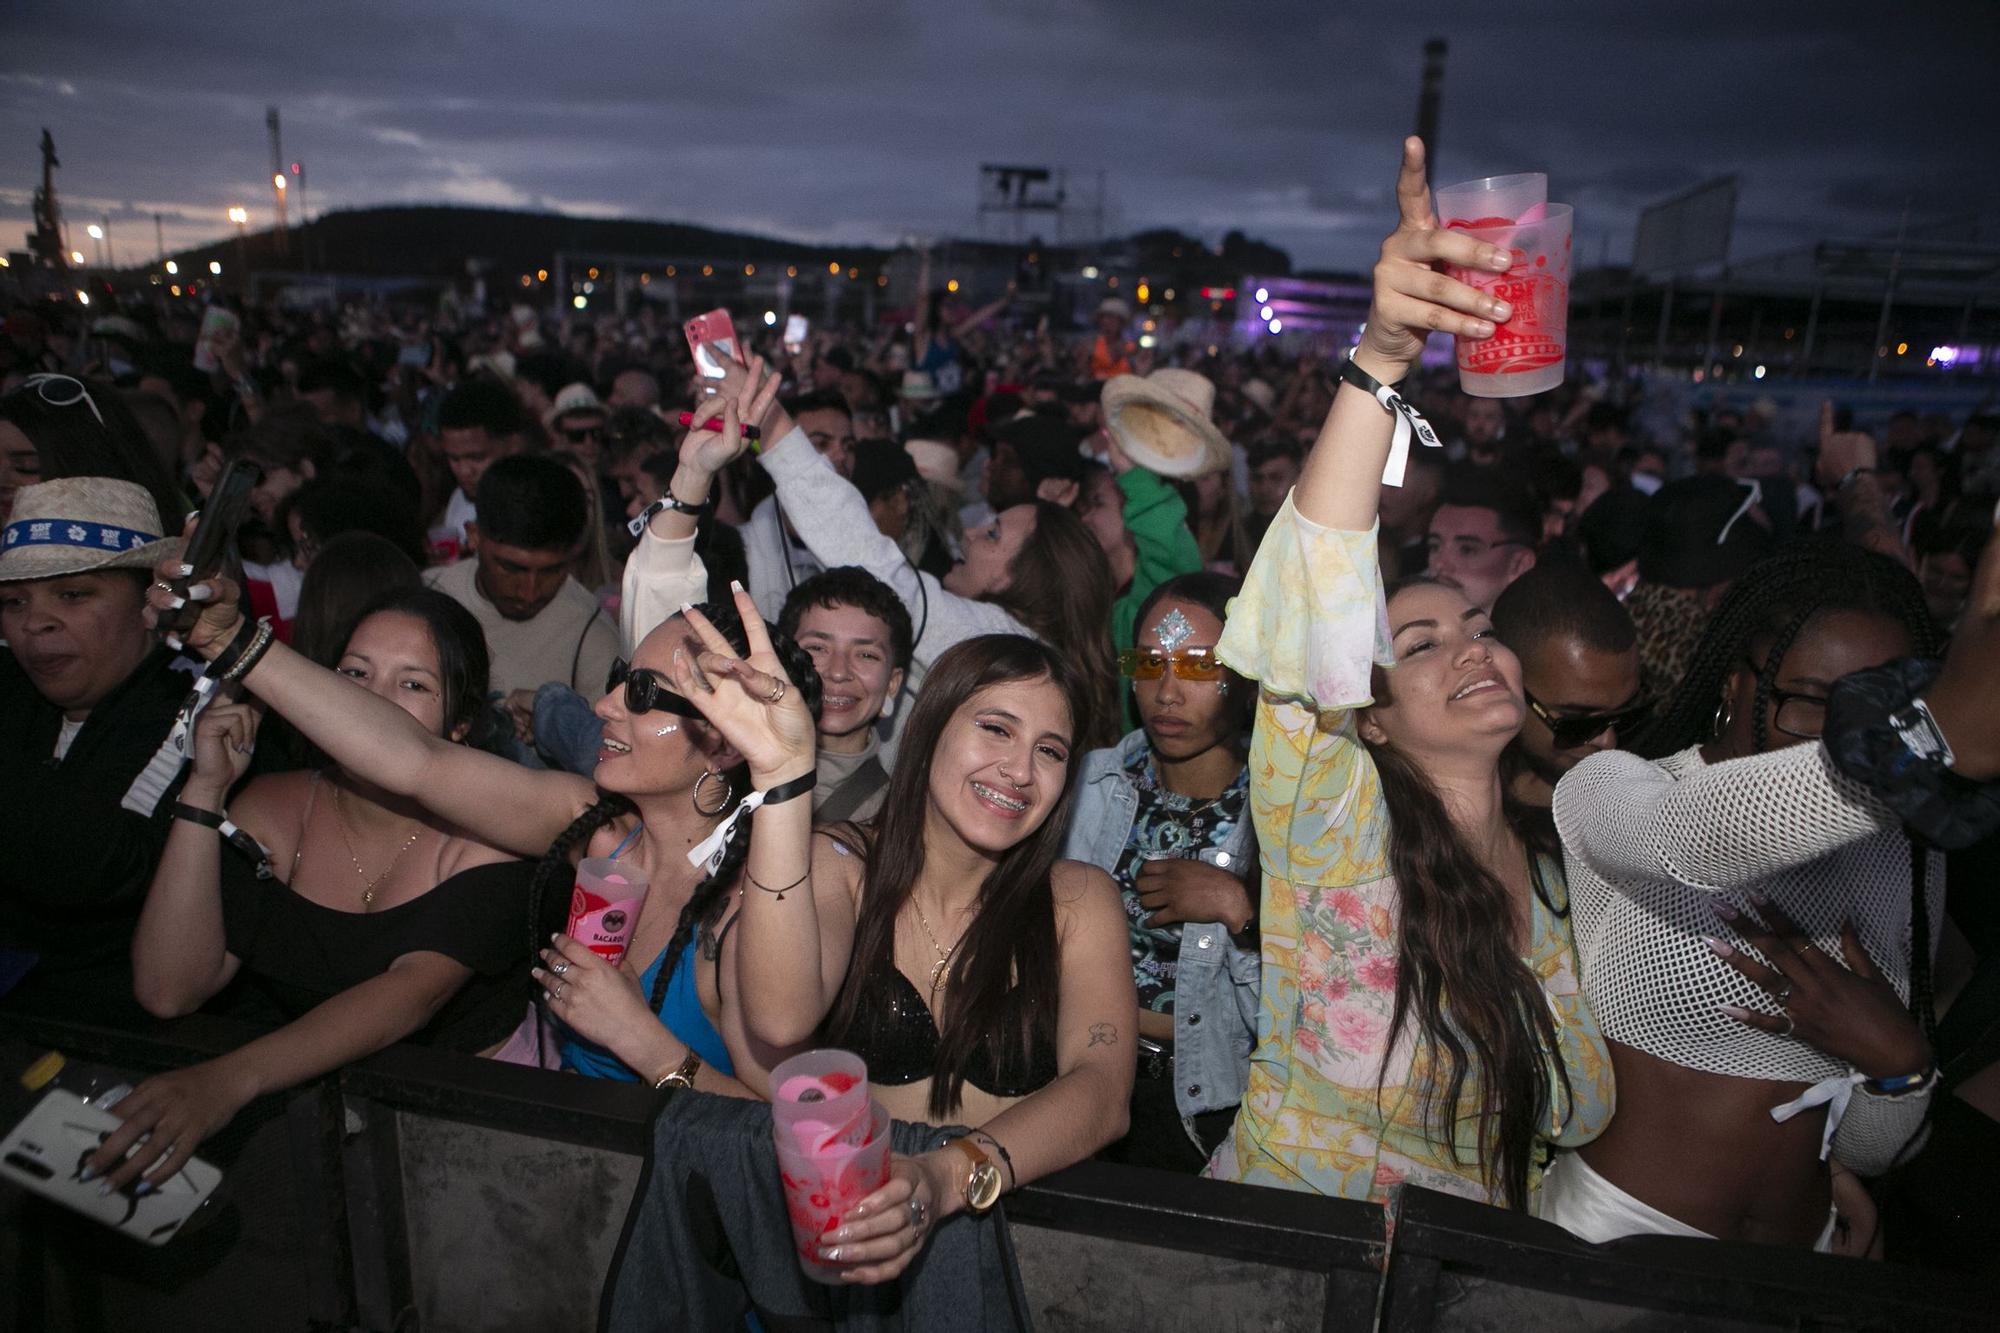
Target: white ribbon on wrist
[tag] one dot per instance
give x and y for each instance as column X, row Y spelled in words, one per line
column 1408, row 421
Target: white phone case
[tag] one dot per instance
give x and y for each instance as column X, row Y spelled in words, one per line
column 46, row 1151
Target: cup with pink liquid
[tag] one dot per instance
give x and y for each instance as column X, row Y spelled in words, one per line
column 1526, row 352
column 832, row 1142
column 605, row 904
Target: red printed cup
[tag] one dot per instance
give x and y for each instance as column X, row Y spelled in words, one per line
column 605, row 904
column 817, row 1096
column 822, row 1187
column 1525, row 354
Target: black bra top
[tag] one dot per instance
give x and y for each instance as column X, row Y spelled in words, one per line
column 895, row 1035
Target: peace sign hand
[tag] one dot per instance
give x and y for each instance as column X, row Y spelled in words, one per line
column 1842, row 1006
column 751, row 700
column 710, row 451
column 1412, row 294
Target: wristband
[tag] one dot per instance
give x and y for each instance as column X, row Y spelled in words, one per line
column 637, row 527
column 1408, row 419
column 710, row 850
column 1904, row 1085
column 238, row 644
column 194, row 814
column 252, row 655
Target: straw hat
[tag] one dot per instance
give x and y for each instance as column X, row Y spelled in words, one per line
column 1164, row 422
column 937, row 463
column 75, row 525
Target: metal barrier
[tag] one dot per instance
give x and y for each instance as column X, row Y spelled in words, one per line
column 421, row 1190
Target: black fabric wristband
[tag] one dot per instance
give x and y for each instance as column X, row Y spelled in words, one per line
column 226, row 660
column 194, row 814
column 1365, row 382
column 798, row 786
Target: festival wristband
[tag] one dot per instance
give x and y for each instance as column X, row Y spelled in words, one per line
column 194, row 814
column 1408, row 419
column 239, row 838
column 709, row 851
column 1904, row 1085
column 637, row 526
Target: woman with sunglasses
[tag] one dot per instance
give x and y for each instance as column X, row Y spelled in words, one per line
column 1421, row 1017
column 665, row 781
column 59, row 426
column 1758, row 931
column 1165, row 813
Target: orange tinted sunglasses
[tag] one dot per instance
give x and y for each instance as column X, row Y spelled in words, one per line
column 1199, row 664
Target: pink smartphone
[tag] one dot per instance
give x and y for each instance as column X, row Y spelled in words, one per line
column 712, row 339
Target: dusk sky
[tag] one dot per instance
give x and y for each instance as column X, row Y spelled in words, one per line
column 866, row 120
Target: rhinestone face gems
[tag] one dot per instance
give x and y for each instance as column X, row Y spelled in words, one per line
column 1173, row 629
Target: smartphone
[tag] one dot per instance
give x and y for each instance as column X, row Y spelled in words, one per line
column 46, row 1151
column 796, row 330
column 712, row 339
column 215, row 532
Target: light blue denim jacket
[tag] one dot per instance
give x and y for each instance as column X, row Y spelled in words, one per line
column 1215, row 988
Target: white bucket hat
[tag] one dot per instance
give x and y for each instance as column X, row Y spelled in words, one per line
column 573, row 398
column 937, row 463
column 1164, row 422
column 77, row 525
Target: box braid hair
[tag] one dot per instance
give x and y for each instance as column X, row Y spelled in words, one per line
column 1776, row 598
column 554, row 869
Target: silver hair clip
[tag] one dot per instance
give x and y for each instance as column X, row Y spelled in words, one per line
column 1173, row 629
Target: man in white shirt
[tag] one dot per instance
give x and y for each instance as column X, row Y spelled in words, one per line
column 541, row 624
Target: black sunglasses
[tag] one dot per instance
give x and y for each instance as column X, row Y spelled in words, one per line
column 1570, row 732
column 578, row 434
column 646, row 690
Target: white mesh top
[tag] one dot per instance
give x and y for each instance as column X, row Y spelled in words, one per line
column 1650, row 846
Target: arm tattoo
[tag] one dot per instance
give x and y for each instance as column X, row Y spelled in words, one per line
column 1103, row 1034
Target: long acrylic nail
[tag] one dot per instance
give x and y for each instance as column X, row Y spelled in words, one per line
column 201, row 592
column 1720, row 949
column 185, row 570
column 85, row 1176
column 1725, row 911
column 735, row 585
column 1734, row 1011
column 104, row 1190
column 175, row 603
column 145, row 1188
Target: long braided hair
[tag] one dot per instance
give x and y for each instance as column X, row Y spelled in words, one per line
column 1776, row 599
column 555, row 869
column 1459, row 975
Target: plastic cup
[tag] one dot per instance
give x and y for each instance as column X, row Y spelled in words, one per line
column 604, row 905
column 816, row 1095
column 1525, row 354
column 1491, row 199
column 215, row 322
column 821, row 1187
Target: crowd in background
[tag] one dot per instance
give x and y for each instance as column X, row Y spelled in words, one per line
column 1137, row 775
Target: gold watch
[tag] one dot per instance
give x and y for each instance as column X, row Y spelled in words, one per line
column 982, row 1187
column 681, row 1075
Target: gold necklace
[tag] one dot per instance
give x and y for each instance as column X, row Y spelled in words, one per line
column 944, row 955
column 369, row 885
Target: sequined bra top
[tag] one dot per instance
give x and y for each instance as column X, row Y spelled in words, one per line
column 894, row 1033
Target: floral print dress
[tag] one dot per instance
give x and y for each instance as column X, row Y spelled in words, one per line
column 1324, row 1110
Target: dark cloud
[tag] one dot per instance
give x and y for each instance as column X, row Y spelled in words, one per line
column 866, row 119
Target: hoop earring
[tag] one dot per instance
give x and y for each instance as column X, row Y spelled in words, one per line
column 1723, row 717
column 728, row 794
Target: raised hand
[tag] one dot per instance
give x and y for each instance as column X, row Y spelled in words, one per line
column 750, row 700
column 220, row 618
column 1413, row 296
column 223, row 742
column 710, row 451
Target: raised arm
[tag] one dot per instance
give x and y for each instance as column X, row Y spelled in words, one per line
column 495, row 801
column 663, row 573
column 1340, row 485
column 179, row 955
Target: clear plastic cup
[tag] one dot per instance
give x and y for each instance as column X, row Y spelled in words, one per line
column 1525, row 354
column 818, row 1094
column 1491, row 199
column 604, row 905
column 821, row 1187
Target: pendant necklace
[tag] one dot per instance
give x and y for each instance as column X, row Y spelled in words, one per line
column 369, row 885
column 944, row 955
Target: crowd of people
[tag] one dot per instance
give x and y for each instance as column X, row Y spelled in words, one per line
column 1084, row 736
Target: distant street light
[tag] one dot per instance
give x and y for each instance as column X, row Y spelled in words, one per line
column 172, row 268
column 280, row 181
column 76, row 257
column 96, row 232
column 215, row 267
column 239, row 215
